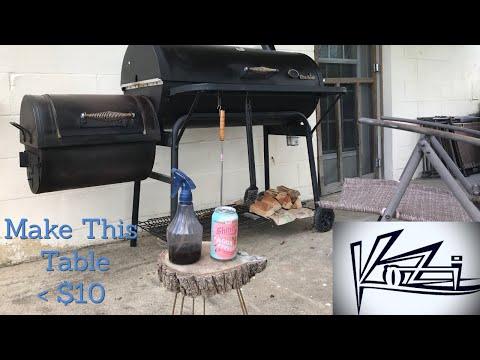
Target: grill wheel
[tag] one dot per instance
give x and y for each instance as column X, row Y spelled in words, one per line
column 324, row 219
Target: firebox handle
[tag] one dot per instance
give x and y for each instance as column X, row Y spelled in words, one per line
column 23, row 131
column 107, row 116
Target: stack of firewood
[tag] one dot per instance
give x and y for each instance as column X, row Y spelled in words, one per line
column 282, row 205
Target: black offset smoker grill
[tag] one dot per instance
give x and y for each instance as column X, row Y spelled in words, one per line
column 74, row 141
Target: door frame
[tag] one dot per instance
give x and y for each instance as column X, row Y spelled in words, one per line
column 375, row 82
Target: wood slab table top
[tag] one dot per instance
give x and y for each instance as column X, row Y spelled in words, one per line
column 208, row 277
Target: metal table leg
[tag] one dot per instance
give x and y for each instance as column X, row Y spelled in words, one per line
column 241, row 300
column 174, row 304
column 183, row 301
column 243, row 306
column 181, row 307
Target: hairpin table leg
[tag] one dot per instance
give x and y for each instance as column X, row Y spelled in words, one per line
column 181, row 306
column 204, row 305
column 242, row 302
column 174, row 304
column 193, row 306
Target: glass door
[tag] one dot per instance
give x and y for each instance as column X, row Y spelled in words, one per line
column 347, row 148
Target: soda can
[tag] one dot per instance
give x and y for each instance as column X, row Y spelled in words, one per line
column 224, row 233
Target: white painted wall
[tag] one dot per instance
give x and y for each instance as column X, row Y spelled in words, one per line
column 96, row 70
column 426, row 80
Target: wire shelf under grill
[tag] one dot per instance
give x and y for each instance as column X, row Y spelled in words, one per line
column 158, row 226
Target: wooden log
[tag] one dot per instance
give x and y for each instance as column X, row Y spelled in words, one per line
column 285, row 200
column 294, row 194
column 208, row 277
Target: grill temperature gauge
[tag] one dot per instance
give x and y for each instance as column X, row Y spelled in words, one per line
column 294, row 74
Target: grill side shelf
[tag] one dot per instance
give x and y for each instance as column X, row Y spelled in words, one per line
column 273, row 89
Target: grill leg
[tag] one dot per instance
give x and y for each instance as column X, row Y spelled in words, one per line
column 176, row 135
column 266, row 158
column 311, row 160
column 136, row 205
column 173, row 200
column 176, row 131
column 252, row 192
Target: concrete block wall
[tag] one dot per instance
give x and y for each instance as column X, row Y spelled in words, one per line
column 96, row 70
column 426, row 80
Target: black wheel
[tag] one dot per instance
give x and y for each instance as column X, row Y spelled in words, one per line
column 324, row 219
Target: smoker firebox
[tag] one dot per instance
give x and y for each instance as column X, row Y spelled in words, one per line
column 71, row 142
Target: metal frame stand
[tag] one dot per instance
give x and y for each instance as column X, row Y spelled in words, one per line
column 280, row 123
column 429, row 147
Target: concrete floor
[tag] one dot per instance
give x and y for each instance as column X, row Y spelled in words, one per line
column 297, row 281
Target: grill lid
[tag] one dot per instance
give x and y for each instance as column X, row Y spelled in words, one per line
column 67, row 120
column 217, row 64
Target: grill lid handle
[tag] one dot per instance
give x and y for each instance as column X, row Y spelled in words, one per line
column 259, row 72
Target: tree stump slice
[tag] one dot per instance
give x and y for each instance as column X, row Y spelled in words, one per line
column 209, row 277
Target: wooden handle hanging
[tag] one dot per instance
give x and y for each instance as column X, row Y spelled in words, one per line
column 222, row 125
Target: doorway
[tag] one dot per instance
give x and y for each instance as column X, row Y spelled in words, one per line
column 347, row 148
